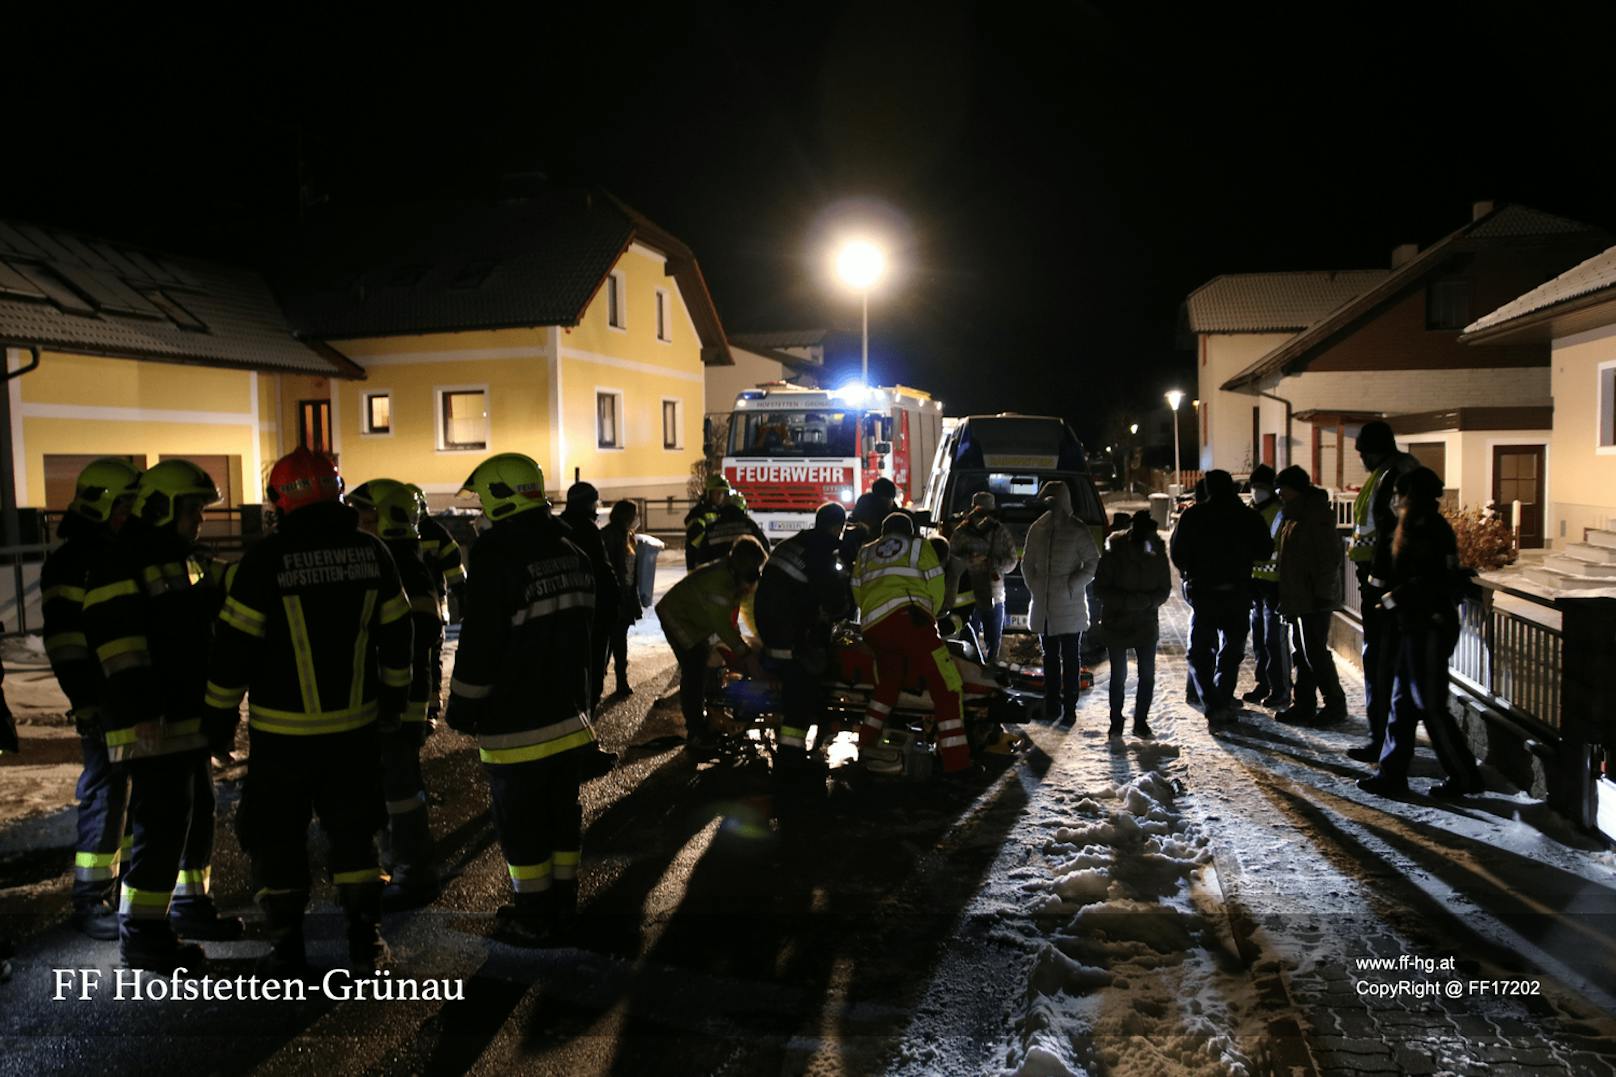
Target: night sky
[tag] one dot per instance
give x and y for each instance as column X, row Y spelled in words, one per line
column 1054, row 178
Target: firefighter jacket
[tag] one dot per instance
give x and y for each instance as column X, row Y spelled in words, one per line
column 702, row 609
column 1266, row 571
column 712, row 542
column 895, row 572
column 1374, row 519
column 148, row 618
column 801, row 592
column 425, row 595
column 522, row 672
column 315, row 630
column 697, row 520
column 62, row 584
column 441, row 553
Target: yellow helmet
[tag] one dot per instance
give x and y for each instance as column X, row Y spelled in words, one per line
column 716, row 481
column 101, row 485
column 506, row 484
column 368, row 495
column 397, row 513
column 163, row 484
column 420, row 497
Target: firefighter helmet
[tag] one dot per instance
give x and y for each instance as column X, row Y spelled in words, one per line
column 717, row 482
column 368, row 495
column 101, row 485
column 736, row 500
column 506, row 484
column 420, row 498
column 397, row 512
column 303, row 477
column 163, row 484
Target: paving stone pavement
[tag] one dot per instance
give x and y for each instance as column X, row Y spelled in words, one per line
column 1330, row 876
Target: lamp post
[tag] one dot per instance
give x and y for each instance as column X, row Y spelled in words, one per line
column 860, row 264
column 1174, row 399
column 1127, row 463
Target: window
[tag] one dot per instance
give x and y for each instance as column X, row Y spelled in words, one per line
column 1607, row 406
column 672, row 428
column 614, row 302
column 608, row 420
column 1447, row 304
column 462, row 420
column 314, row 425
column 793, row 433
column 377, row 412
column 664, row 332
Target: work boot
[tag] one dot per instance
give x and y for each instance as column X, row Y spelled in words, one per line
column 1142, row 730
column 362, row 903
column 99, row 921
column 1295, row 715
column 1116, row 725
column 198, row 918
column 527, row 920
column 1382, row 786
column 623, row 687
column 283, row 917
column 595, row 762
column 1365, row 753
column 1257, row 695
column 1332, row 714
column 1454, row 789
column 563, row 911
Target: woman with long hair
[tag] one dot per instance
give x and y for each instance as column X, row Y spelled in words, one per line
column 1424, row 599
column 618, row 536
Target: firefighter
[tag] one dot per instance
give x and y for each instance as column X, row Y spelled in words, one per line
column 316, row 634
column 799, row 596
column 442, row 555
column 390, row 511
column 731, row 522
column 101, row 501
column 521, row 685
column 699, row 616
column 702, row 515
column 898, row 582
column 148, row 618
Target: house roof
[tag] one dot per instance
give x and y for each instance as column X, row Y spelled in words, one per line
column 1273, row 302
column 1503, row 224
column 784, row 338
column 449, row 267
column 63, row 291
column 1591, row 282
column 800, row 364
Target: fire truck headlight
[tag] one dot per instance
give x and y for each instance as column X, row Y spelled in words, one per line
column 847, row 494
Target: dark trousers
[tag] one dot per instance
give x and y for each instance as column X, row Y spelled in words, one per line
column 1271, row 645
column 1219, row 622
column 196, row 855
column 1315, row 665
column 538, row 820
column 162, row 790
column 600, row 641
column 802, row 700
column 693, row 677
column 1420, row 692
column 335, row 777
column 1145, row 656
column 990, row 627
column 1380, row 658
column 408, row 834
column 1063, row 671
column 103, row 795
column 619, row 649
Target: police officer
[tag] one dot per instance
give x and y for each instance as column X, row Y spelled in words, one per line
column 390, row 511
column 442, row 555
column 730, row 523
column 800, row 595
column 316, row 634
column 1270, row 639
column 1374, row 520
column 702, row 515
column 101, row 501
column 898, row 583
column 521, row 685
column 148, row 618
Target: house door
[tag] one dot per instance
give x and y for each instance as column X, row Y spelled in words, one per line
column 1270, row 449
column 1518, row 476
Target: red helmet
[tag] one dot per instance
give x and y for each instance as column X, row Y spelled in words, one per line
column 303, row 477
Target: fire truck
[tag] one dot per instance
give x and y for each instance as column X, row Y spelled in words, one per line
column 792, row 449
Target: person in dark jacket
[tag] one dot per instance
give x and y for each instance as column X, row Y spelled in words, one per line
column 1214, row 546
column 800, row 594
column 443, row 556
column 1422, row 595
column 1309, row 568
column 1270, row 639
column 618, row 537
column 731, row 522
column 988, row 549
column 522, row 687
column 583, row 506
column 702, row 515
column 1133, row 580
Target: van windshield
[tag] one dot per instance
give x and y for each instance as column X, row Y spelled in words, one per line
column 1016, row 494
column 793, row 433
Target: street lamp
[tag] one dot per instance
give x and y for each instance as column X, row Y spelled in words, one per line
column 1174, row 399
column 860, row 264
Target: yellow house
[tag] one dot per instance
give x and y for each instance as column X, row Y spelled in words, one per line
column 113, row 350
column 564, row 326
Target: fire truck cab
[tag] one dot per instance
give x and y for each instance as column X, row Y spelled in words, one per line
column 792, row 449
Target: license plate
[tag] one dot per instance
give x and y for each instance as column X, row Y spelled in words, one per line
column 1016, row 620
column 789, row 525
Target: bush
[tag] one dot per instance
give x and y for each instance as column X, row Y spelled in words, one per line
column 1486, row 542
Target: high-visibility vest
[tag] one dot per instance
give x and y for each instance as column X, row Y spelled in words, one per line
column 1363, row 519
column 1268, row 571
column 895, row 572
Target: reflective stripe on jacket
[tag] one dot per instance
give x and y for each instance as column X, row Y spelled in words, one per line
column 1268, row 571
column 895, row 572
column 1363, row 520
column 702, row 608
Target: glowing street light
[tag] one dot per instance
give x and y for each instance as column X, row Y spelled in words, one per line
column 1174, row 399
column 1133, row 429
column 860, row 264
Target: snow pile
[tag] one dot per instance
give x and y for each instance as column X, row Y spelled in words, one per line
column 1138, row 974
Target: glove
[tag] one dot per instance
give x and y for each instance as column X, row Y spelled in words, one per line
column 947, row 625
column 87, row 722
column 460, row 715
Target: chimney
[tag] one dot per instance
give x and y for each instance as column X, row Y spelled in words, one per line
column 1478, row 210
column 1403, row 254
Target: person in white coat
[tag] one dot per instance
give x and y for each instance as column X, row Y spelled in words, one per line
column 1057, row 563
